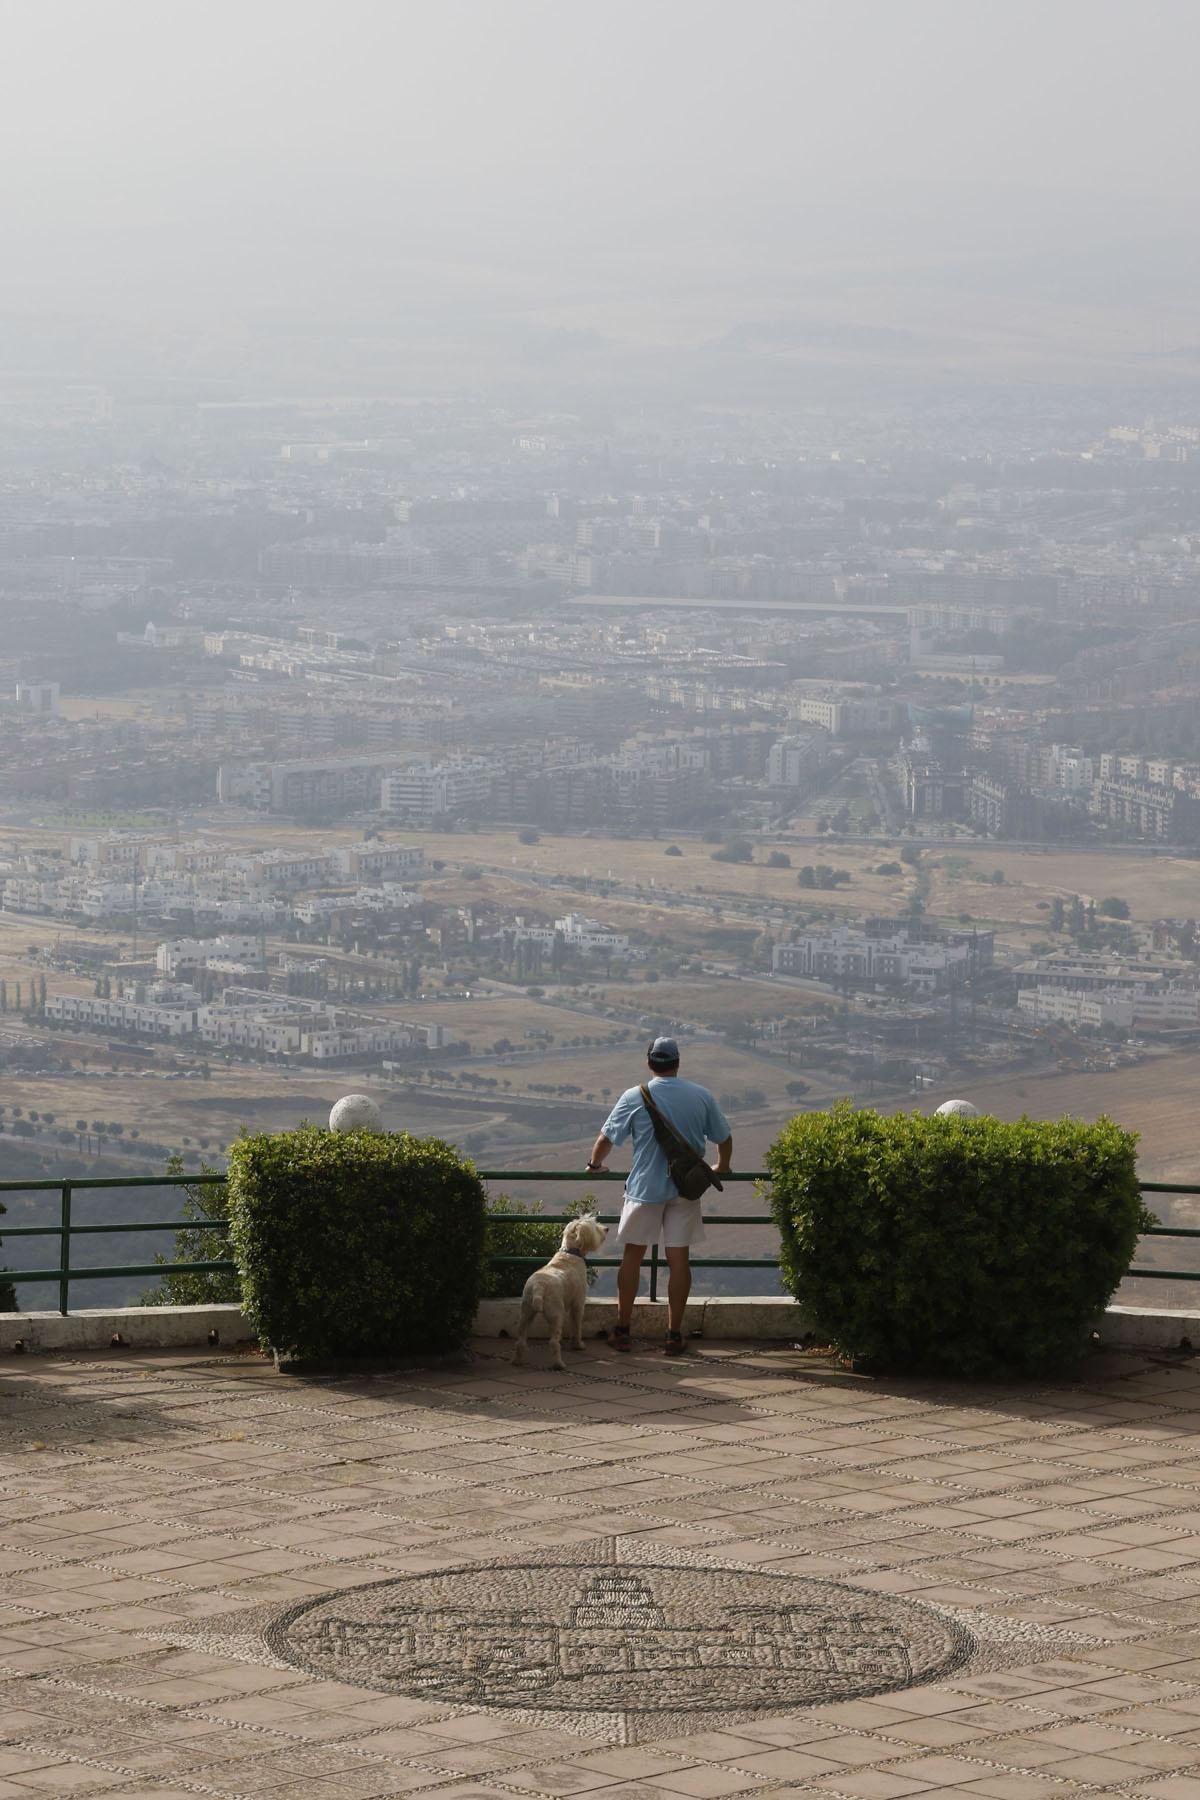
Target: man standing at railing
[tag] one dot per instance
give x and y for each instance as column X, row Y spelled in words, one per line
column 654, row 1206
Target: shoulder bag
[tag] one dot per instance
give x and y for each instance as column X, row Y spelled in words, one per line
column 687, row 1168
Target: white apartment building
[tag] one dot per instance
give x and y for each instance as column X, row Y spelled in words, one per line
column 371, row 861
column 576, row 932
column 123, row 1015
column 1167, row 1006
column 203, row 953
column 447, row 788
column 30, row 894
column 320, row 906
column 847, row 952
column 389, row 896
column 1150, row 1006
column 1073, row 772
column 125, row 847
column 285, row 868
column 1063, row 1006
column 40, row 697
column 853, row 716
column 792, row 761
column 248, row 1020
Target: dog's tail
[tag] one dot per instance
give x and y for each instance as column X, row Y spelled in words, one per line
column 531, row 1306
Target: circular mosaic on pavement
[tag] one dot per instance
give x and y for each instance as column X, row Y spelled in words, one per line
column 619, row 1638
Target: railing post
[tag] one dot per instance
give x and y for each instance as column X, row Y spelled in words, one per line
column 654, row 1271
column 64, row 1251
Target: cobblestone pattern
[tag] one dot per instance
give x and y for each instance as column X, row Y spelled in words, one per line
column 160, row 1510
column 602, row 1635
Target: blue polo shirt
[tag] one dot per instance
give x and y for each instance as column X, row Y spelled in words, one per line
column 690, row 1108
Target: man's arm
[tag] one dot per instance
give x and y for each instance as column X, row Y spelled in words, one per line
column 724, row 1156
column 599, row 1156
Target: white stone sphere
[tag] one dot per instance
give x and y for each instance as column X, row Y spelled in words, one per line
column 355, row 1112
column 957, row 1109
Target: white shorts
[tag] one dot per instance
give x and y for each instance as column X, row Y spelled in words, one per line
column 679, row 1222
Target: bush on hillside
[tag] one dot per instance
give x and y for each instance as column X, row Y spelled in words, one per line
column 356, row 1244
column 536, row 1243
column 971, row 1247
column 193, row 1243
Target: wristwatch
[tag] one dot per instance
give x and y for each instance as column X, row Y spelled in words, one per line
column 595, row 1168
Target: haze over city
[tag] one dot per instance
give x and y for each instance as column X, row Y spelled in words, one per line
column 291, row 192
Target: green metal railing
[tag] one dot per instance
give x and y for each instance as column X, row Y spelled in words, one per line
column 66, row 1230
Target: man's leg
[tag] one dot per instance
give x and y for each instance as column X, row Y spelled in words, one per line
column 679, row 1285
column 629, row 1277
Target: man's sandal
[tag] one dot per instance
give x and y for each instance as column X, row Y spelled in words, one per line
column 621, row 1339
column 674, row 1345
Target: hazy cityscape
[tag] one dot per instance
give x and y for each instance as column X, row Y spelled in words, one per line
column 449, row 750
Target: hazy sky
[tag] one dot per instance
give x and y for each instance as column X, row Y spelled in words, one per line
column 266, row 151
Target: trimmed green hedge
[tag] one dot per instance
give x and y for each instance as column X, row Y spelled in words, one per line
column 356, row 1244
column 965, row 1246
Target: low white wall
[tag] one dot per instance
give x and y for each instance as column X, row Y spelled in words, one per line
column 141, row 1327
column 165, row 1327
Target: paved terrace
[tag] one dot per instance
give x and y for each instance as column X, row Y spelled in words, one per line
column 218, row 1580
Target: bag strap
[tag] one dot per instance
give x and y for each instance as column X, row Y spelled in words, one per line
column 665, row 1132
column 672, row 1145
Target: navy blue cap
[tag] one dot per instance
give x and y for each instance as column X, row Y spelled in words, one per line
column 663, row 1053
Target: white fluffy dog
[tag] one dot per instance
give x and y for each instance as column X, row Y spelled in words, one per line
column 559, row 1289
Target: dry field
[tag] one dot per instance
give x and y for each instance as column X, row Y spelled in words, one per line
column 183, row 1113
column 711, row 1000
column 638, row 862
column 1155, row 886
column 1156, row 1099
column 18, row 934
column 608, row 1071
column 630, row 862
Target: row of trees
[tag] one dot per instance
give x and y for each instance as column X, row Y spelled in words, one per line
column 822, row 876
column 1080, row 920
column 15, row 1001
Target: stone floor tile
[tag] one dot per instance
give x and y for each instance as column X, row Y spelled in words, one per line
column 936, row 1733
column 644, row 1790
column 1158, row 1721
column 629, row 1762
column 869, row 1784
column 938, row 1771
column 705, row 1782
column 788, row 1765
column 122, row 1792
column 15, row 1761
column 1019, row 1787
column 17, row 1721
column 708, row 1746
column 1159, row 1753
column 66, row 1778
column 399, row 1740
column 1101, row 1771
column 467, row 1759
column 469, row 1790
